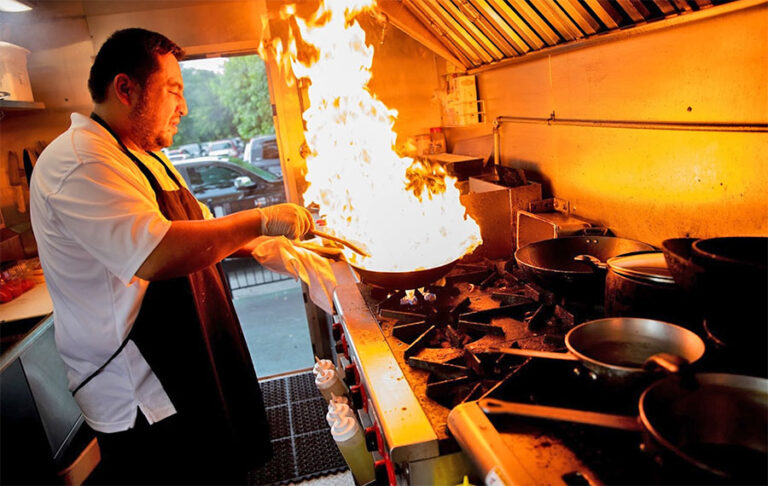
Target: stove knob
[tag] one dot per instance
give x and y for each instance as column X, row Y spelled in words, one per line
column 372, row 438
column 336, row 331
column 356, row 394
column 350, row 375
column 381, row 471
column 341, row 345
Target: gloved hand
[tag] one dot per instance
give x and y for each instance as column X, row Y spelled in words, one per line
column 288, row 219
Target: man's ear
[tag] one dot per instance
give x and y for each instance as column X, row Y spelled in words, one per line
column 124, row 89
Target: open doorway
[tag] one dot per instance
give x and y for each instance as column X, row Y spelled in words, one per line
column 227, row 152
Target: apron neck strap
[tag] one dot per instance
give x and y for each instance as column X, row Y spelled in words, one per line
column 152, row 179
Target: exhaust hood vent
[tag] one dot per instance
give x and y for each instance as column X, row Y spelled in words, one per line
column 481, row 32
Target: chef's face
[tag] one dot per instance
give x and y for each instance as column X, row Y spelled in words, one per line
column 160, row 105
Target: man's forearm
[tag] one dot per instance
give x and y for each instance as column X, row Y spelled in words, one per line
column 189, row 246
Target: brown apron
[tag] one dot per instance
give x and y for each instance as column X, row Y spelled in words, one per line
column 188, row 332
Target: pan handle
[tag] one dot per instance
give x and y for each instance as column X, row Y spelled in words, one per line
column 493, row 406
column 532, row 353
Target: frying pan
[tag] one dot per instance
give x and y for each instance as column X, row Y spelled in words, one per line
column 552, row 262
column 617, row 349
column 719, row 426
column 403, row 280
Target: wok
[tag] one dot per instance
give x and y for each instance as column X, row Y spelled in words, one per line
column 719, row 426
column 552, row 262
column 618, row 349
column 403, row 280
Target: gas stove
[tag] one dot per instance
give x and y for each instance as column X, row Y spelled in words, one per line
column 411, row 358
column 419, row 364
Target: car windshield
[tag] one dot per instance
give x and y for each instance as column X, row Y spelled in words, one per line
column 220, row 146
column 211, row 177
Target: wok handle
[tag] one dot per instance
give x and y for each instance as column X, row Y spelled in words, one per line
column 532, row 353
column 500, row 407
column 342, row 241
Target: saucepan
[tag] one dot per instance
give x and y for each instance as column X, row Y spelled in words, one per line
column 718, row 424
column 621, row 350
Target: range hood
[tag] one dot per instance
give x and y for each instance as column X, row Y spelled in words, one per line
column 478, row 33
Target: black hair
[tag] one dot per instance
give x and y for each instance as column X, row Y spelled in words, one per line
column 132, row 52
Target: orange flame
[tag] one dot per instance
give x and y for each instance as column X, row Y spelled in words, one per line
column 406, row 213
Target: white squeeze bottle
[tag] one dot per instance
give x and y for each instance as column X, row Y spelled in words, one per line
column 349, row 437
column 337, row 410
column 329, row 384
column 322, row 364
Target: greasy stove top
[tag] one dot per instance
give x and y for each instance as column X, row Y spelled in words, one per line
column 441, row 343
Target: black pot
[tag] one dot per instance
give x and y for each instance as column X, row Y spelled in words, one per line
column 733, row 290
column 640, row 285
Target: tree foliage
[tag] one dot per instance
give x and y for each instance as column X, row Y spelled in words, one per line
column 244, row 91
column 232, row 104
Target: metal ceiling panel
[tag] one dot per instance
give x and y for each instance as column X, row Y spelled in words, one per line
column 517, row 24
column 605, row 11
column 421, row 7
column 443, row 36
column 629, row 7
column 555, row 16
column 665, row 7
column 586, row 22
column 536, row 22
column 502, row 28
column 682, row 5
column 483, row 32
column 462, row 21
column 451, row 25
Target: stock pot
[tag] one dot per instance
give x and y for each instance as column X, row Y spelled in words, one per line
column 641, row 285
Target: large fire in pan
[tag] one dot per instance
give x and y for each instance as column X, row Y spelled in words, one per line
column 406, row 213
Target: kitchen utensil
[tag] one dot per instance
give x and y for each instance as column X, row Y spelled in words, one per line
column 719, row 426
column 733, row 291
column 679, row 258
column 617, row 349
column 403, row 280
column 342, row 241
column 641, row 285
column 551, row 263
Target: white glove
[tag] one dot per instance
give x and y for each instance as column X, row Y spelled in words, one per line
column 289, row 220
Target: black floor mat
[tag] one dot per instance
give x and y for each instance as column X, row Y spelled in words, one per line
column 301, row 438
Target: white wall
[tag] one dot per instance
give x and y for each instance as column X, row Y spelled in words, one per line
column 647, row 184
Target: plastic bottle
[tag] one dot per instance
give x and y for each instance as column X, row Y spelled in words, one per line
column 337, row 410
column 329, row 384
column 322, row 364
column 350, row 439
column 438, row 140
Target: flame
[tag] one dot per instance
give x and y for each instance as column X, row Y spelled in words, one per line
column 405, row 212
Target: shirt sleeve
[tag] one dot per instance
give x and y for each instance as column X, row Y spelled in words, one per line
column 112, row 214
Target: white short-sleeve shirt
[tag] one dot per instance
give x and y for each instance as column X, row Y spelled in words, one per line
column 96, row 219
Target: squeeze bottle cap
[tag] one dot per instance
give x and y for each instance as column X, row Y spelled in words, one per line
column 320, row 365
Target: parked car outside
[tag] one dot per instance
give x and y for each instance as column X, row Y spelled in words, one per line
column 226, row 148
column 177, row 155
column 193, row 149
column 262, row 152
column 226, row 187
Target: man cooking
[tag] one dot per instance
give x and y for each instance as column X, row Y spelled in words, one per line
column 154, row 351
